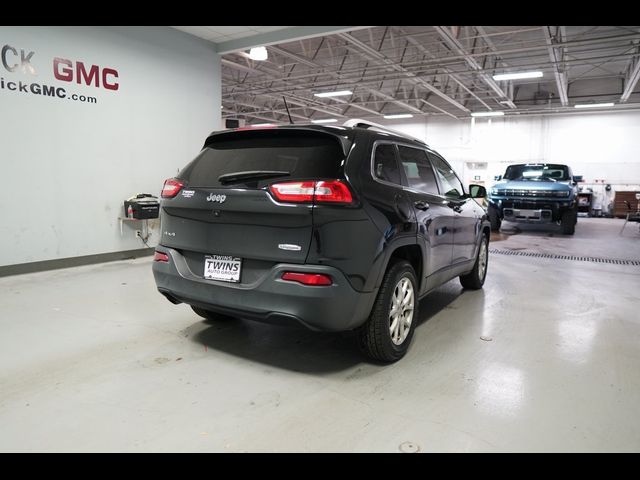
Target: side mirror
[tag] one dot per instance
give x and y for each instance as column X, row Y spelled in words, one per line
column 477, row 191
column 497, row 178
column 577, row 178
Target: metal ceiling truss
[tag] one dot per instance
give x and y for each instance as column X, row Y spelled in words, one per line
column 434, row 71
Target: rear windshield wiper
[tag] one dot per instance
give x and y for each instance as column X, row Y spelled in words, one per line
column 251, row 174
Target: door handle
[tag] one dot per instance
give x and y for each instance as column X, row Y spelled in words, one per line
column 455, row 207
column 420, row 205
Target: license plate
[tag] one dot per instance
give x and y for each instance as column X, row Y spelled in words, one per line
column 222, row 267
column 529, row 213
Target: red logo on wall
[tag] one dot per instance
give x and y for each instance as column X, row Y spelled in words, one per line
column 66, row 71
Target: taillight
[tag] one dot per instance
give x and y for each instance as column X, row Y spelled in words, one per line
column 171, row 188
column 160, row 257
column 324, row 191
column 293, row 191
column 315, row 279
column 333, row 191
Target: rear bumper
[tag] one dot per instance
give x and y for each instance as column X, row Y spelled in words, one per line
column 269, row 299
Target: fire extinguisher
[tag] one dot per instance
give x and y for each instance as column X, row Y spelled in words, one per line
column 130, row 212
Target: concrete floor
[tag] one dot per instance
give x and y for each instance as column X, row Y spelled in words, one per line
column 545, row 358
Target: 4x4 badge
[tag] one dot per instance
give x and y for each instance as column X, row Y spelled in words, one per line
column 216, row 198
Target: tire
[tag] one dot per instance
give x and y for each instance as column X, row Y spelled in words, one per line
column 375, row 336
column 474, row 280
column 496, row 223
column 568, row 222
column 209, row 315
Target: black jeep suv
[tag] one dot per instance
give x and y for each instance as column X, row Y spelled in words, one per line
column 334, row 228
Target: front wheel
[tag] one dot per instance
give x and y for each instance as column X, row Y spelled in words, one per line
column 568, row 222
column 388, row 331
column 494, row 219
column 474, row 280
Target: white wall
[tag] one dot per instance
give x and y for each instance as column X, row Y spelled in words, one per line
column 67, row 166
column 602, row 146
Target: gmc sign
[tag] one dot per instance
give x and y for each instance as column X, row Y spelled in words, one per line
column 19, row 60
column 65, row 71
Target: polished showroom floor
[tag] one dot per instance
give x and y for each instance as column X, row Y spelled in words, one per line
column 545, row 358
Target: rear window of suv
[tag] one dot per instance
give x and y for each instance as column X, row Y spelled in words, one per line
column 303, row 154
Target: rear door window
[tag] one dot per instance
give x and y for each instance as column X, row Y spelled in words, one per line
column 385, row 165
column 296, row 154
column 418, row 170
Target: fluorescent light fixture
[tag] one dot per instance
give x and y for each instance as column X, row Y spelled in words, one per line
column 258, row 53
column 517, row 76
column 263, row 125
column 339, row 93
column 399, row 115
column 325, row 120
column 487, row 114
column 594, row 105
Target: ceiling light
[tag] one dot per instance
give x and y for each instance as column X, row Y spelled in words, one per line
column 517, row 76
column 339, row 93
column 258, row 53
column 263, row 125
column 399, row 115
column 325, row 120
column 594, row 105
column 487, row 114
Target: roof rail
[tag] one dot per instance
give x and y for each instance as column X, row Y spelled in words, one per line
column 358, row 122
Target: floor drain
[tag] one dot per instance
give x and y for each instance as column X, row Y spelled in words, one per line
column 409, row 447
column 610, row 261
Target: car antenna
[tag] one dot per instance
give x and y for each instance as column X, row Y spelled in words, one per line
column 287, row 107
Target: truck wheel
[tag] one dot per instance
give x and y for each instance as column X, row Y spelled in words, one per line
column 568, row 222
column 474, row 280
column 494, row 219
column 209, row 315
column 387, row 333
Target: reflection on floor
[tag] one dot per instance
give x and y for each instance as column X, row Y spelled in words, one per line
column 545, row 358
column 595, row 237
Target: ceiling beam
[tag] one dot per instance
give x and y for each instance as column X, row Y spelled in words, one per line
column 373, row 54
column 457, row 47
column 391, row 99
column 492, row 46
column 285, row 35
column 263, row 107
column 557, row 57
column 632, row 77
column 452, row 76
column 301, row 102
column 311, row 63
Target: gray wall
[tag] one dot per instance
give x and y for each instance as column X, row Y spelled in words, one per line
column 67, row 166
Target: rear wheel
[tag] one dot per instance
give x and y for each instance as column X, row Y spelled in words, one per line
column 568, row 222
column 387, row 333
column 474, row 280
column 496, row 223
column 209, row 315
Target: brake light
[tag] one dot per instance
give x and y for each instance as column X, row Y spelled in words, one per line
column 171, row 188
column 314, row 279
column 293, row 191
column 160, row 257
column 324, row 191
column 333, row 191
